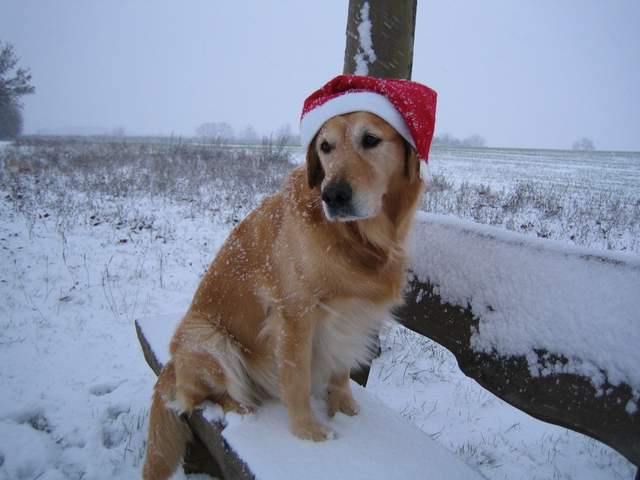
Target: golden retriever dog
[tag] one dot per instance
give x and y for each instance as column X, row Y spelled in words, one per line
column 298, row 291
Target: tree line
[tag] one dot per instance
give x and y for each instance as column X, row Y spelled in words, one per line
column 222, row 132
column 448, row 140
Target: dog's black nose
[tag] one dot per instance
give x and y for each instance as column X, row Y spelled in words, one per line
column 337, row 194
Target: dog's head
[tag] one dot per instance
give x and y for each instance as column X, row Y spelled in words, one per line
column 356, row 159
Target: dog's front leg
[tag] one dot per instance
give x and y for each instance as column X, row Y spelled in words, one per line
column 295, row 377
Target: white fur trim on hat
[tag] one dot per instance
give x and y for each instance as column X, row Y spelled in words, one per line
column 349, row 102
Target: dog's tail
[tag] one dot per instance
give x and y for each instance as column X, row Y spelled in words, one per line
column 168, row 434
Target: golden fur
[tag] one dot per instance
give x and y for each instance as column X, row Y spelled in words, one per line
column 292, row 300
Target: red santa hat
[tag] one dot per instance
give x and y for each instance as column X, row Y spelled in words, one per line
column 409, row 107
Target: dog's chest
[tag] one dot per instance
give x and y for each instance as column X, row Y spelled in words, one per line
column 345, row 338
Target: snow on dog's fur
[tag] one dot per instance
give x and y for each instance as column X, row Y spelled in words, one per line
column 298, row 291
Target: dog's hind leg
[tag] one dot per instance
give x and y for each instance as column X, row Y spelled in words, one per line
column 186, row 381
column 339, row 397
column 168, row 434
column 200, row 377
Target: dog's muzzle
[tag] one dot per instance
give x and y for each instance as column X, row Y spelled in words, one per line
column 338, row 200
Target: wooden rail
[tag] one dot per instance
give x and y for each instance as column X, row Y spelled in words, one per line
column 587, row 302
column 564, row 399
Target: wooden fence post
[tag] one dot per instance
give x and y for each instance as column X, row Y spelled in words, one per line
column 380, row 37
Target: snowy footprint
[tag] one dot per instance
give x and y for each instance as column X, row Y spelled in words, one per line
column 105, row 388
column 27, row 448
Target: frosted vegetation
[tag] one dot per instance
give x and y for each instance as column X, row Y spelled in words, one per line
column 95, row 182
column 587, row 198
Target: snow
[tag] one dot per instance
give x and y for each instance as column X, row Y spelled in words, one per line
column 423, row 382
column 157, row 334
column 365, row 54
column 583, row 173
column 530, row 293
column 377, row 443
column 24, row 462
column 212, row 412
column 75, row 389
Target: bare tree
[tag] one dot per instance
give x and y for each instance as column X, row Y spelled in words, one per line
column 380, row 36
column 248, row 134
column 284, row 135
column 216, row 132
column 583, row 143
column 475, row 140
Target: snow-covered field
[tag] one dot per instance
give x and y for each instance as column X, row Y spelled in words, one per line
column 93, row 236
column 591, row 199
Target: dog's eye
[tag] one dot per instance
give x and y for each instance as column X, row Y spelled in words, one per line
column 370, row 141
column 325, row 147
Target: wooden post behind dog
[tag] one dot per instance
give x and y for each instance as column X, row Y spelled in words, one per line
column 391, row 29
column 380, row 38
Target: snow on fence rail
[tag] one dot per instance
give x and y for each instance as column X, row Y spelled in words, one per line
column 552, row 329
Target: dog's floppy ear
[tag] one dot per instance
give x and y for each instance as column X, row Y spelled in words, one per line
column 315, row 173
column 411, row 163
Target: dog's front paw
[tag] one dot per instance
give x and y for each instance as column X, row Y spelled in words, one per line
column 341, row 401
column 311, row 430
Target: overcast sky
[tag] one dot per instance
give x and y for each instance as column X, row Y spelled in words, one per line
column 520, row 73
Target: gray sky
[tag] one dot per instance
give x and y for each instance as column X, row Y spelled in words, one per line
column 520, row 73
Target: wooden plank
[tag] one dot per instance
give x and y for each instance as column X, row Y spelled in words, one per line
column 198, row 459
column 228, row 461
column 567, row 400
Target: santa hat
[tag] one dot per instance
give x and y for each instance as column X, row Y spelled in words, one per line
column 409, row 107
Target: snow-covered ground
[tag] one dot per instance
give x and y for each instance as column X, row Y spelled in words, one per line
column 83, row 254
column 417, row 377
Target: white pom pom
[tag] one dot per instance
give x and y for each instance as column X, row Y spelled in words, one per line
column 425, row 172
